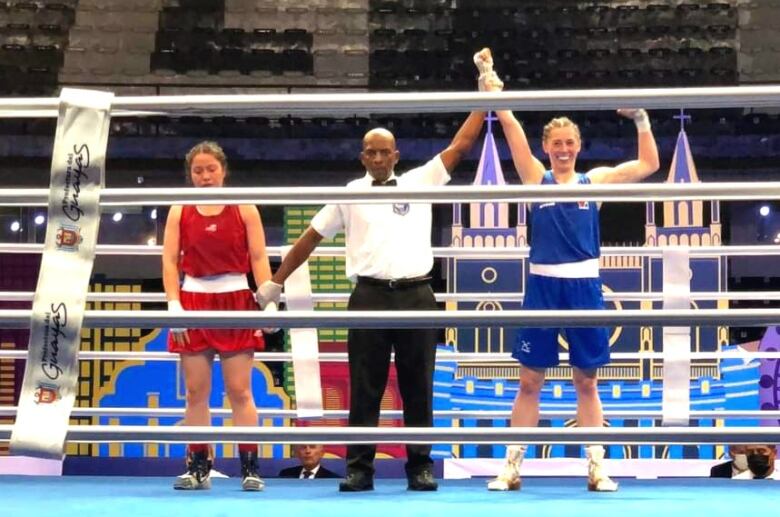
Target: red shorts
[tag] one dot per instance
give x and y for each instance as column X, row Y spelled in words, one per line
column 221, row 340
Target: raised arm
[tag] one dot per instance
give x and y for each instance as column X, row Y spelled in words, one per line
column 463, row 141
column 647, row 161
column 528, row 167
column 530, row 170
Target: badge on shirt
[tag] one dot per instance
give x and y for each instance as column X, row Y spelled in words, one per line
column 401, row 208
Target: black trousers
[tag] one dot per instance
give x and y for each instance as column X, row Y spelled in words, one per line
column 369, row 363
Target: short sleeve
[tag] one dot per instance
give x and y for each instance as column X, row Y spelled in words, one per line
column 432, row 173
column 328, row 221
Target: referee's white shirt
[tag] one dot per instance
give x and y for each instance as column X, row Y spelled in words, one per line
column 387, row 241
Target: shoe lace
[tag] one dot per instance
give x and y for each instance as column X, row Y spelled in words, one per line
column 510, row 471
column 249, row 468
column 199, row 466
column 595, row 471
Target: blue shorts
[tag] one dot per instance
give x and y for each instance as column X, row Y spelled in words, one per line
column 538, row 347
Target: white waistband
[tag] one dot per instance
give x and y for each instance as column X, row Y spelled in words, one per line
column 215, row 284
column 583, row 269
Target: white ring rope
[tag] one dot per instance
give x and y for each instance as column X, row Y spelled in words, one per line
column 421, row 435
column 417, row 102
column 444, row 252
column 341, row 357
column 116, row 297
column 6, row 411
column 412, row 319
column 635, row 192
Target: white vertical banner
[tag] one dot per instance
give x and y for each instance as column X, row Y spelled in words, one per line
column 304, row 344
column 51, row 373
column 676, row 402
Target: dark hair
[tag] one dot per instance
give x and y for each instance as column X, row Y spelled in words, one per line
column 205, row 147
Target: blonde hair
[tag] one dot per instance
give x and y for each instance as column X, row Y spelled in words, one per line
column 559, row 122
column 205, row 147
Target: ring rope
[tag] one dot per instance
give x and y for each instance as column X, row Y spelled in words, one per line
column 443, row 252
column 420, row 435
column 417, row 102
column 113, row 297
column 18, row 318
column 639, row 192
column 6, row 411
column 341, row 357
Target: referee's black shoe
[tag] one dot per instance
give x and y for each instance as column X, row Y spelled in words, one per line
column 357, row 481
column 422, row 480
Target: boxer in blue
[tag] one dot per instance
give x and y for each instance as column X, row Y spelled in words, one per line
column 563, row 272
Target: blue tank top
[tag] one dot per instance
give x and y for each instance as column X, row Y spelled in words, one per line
column 564, row 232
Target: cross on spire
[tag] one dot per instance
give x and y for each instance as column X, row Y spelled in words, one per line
column 683, row 118
column 490, row 117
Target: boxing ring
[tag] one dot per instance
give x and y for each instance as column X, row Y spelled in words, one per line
column 105, row 495
column 152, row 496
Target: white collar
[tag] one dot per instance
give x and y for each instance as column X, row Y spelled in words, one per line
column 313, row 471
column 749, row 475
column 369, row 178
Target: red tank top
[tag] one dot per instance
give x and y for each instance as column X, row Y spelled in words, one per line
column 213, row 245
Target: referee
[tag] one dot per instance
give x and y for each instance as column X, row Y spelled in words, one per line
column 389, row 258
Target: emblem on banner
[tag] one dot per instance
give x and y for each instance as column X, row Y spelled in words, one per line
column 401, row 208
column 68, row 237
column 46, row 394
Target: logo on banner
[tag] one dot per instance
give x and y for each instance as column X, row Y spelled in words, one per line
column 78, row 162
column 46, row 394
column 583, row 205
column 68, row 237
column 55, row 322
column 401, row 208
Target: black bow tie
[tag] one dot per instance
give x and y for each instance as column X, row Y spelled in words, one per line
column 388, row 183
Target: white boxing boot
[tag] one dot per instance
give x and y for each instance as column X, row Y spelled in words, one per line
column 598, row 481
column 509, row 478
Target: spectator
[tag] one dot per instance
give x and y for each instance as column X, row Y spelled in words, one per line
column 761, row 462
column 310, row 456
column 735, row 466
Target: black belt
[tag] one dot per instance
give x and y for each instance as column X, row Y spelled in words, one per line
column 394, row 283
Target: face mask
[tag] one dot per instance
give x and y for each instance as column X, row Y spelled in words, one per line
column 741, row 462
column 759, row 465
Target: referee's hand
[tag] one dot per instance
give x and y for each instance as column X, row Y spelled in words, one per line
column 268, row 292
